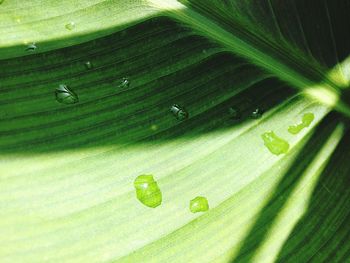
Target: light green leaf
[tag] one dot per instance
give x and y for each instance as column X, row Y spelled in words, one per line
column 67, row 170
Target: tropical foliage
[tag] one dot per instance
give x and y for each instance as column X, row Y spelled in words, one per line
column 203, row 98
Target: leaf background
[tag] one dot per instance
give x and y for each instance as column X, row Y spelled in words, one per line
column 67, row 171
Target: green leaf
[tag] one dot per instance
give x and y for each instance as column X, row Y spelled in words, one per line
column 127, row 69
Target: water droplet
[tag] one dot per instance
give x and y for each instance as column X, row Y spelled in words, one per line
column 308, row 119
column 257, row 113
column 31, row 47
column 148, row 191
column 199, row 204
column 295, row 129
column 70, row 26
column 154, row 127
column 125, row 83
column 179, row 112
column 88, row 65
column 275, row 144
column 65, row 95
column 305, row 122
column 234, row 113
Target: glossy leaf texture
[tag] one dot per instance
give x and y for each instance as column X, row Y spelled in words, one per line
column 235, row 69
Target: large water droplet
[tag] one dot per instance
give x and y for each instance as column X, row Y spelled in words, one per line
column 65, row 95
column 199, row 204
column 305, row 122
column 234, row 113
column 308, row 119
column 88, row 65
column 148, row 191
column 275, row 144
column 125, row 83
column 257, row 113
column 179, row 112
column 31, row 47
column 70, row 26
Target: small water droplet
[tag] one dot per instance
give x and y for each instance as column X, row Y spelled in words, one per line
column 295, row 129
column 125, row 83
column 275, row 144
column 70, row 26
column 65, row 95
column 257, row 113
column 179, row 112
column 307, row 119
column 31, row 47
column 147, row 190
column 199, row 204
column 88, row 65
column 154, row 127
column 234, row 113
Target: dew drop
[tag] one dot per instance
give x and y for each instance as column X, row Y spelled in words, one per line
column 257, row 113
column 65, row 95
column 88, row 65
column 275, row 144
column 147, row 190
column 154, row 127
column 199, row 204
column 31, row 47
column 70, row 26
column 295, row 129
column 125, row 83
column 307, row 119
column 179, row 112
column 234, row 113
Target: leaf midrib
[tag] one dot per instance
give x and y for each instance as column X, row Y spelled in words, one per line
column 212, row 30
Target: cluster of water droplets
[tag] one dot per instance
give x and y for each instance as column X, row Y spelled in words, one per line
column 147, row 189
column 150, row 195
column 32, row 46
column 305, row 122
column 65, row 95
column 277, row 145
column 236, row 114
